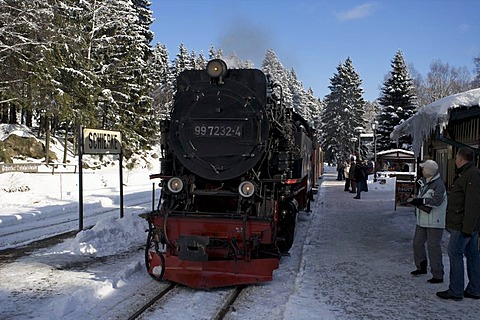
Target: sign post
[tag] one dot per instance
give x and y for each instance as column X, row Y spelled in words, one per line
column 404, row 189
column 80, row 179
column 96, row 141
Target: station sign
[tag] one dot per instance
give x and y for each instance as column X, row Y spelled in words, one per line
column 97, row 141
column 19, row 167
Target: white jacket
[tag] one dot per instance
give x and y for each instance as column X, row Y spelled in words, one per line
column 435, row 196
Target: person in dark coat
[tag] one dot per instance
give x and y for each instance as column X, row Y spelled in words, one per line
column 367, row 166
column 340, row 168
column 463, row 223
column 360, row 177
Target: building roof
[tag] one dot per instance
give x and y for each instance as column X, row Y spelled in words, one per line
column 437, row 113
column 397, row 154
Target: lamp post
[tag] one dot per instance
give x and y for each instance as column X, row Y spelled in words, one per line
column 374, row 128
column 359, row 130
column 353, row 140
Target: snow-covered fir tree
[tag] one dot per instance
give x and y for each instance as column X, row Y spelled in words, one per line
column 296, row 89
column 354, row 94
column 303, row 102
column 201, row 62
column 331, row 142
column 160, row 73
column 46, row 76
column 234, row 62
column 272, row 66
column 214, row 54
column 79, row 63
column 343, row 114
column 183, row 60
column 398, row 102
column 120, row 49
column 294, row 95
column 312, row 109
column 476, row 76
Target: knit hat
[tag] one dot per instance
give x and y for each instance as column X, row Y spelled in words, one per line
column 429, row 167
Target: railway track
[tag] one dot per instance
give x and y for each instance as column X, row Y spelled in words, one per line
column 152, row 301
column 225, row 298
column 229, row 303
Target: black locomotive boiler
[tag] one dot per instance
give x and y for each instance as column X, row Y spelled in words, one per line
column 236, row 167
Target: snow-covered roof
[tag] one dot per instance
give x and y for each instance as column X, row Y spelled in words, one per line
column 392, row 151
column 396, row 154
column 437, row 113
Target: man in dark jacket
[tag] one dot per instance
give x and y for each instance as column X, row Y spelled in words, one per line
column 360, row 175
column 463, row 223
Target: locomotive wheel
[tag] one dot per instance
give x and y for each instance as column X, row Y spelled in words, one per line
column 287, row 229
column 154, row 259
column 289, row 236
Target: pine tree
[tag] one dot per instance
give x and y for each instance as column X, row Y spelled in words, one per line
column 476, row 79
column 79, row 63
column 295, row 87
column 120, row 49
column 214, row 54
column 343, row 113
column 354, row 97
column 193, row 60
column 397, row 103
column 312, row 109
column 162, row 89
column 275, row 69
column 201, row 62
column 317, row 106
column 234, row 62
column 143, row 122
column 16, row 42
column 331, row 142
column 182, row 60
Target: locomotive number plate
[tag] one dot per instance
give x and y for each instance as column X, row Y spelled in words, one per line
column 232, row 131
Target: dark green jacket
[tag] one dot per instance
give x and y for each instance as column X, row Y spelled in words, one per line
column 463, row 210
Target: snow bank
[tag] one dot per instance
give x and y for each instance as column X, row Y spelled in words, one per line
column 109, row 236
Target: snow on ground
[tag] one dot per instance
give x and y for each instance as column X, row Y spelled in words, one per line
column 351, row 260
column 49, row 200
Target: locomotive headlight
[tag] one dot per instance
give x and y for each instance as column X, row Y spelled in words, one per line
column 175, row 185
column 216, row 68
column 246, row 189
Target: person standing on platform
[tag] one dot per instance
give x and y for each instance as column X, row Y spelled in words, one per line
column 431, row 205
column 351, row 175
column 346, row 171
column 463, row 223
column 340, row 168
column 360, row 177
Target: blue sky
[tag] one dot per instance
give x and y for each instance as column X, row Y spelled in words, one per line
column 314, row 36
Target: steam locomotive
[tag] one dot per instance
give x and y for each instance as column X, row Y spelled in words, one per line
column 236, row 167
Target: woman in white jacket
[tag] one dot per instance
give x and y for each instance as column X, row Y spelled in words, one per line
column 431, row 205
